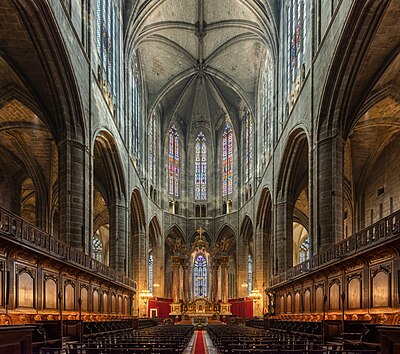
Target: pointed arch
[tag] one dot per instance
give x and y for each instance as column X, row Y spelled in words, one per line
column 138, row 220
column 246, row 229
column 107, row 159
column 264, row 210
column 293, row 171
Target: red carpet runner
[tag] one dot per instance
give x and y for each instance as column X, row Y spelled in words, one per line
column 199, row 346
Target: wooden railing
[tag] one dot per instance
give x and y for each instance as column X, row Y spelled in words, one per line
column 17, row 229
column 383, row 230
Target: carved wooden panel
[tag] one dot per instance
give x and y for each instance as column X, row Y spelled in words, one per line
column 282, row 304
column 84, row 298
column 380, row 287
column 69, row 296
column 319, row 299
column 113, row 303
column 50, row 292
column 26, row 289
column 297, row 307
column 96, row 300
column 105, row 302
column 354, row 291
column 120, row 304
column 307, row 300
column 126, row 305
column 289, row 303
column 334, row 296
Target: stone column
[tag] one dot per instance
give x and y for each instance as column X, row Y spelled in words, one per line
column 176, row 264
column 214, row 277
column 118, row 237
column 284, row 236
column 158, row 269
column 224, row 279
column 241, row 266
column 329, row 193
column 139, row 262
column 186, row 282
column 74, row 193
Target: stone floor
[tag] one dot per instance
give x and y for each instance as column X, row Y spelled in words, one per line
column 210, row 347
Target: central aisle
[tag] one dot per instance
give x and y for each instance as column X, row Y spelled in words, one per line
column 200, row 344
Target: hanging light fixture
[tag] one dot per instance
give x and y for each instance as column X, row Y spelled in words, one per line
column 244, row 284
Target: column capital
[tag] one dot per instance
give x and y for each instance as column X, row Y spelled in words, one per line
column 176, row 261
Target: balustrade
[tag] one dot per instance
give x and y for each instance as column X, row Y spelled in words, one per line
column 381, row 231
column 18, row 229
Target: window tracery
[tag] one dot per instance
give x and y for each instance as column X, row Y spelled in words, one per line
column 174, row 162
column 107, row 44
column 227, row 161
column 297, row 22
column 200, row 276
column 200, row 183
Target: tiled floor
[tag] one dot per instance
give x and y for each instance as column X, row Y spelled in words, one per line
column 210, row 347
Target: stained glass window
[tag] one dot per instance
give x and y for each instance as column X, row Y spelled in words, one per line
column 266, row 106
column 305, row 249
column 97, row 248
column 297, row 22
column 248, row 141
column 200, row 276
column 136, row 121
column 227, row 160
column 200, row 182
column 107, row 42
column 250, row 272
column 173, row 163
column 151, row 267
column 153, row 149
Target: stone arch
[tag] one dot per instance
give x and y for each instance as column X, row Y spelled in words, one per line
column 28, row 147
column 245, row 248
column 361, row 75
column 55, row 86
column 263, row 246
column 174, row 245
column 354, row 66
column 138, row 242
column 156, row 248
column 109, row 198
column 293, row 197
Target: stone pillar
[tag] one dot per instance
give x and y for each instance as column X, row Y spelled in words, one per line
column 284, row 236
column 74, row 193
column 225, row 307
column 118, row 237
column 176, row 263
column 241, row 266
column 214, row 277
column 329, row 193
column 186, row 280
column 158, row 269
column 224, row 279
column 259, row 271
column 139, row 262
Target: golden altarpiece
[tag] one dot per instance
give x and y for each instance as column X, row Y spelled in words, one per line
column 202, row 266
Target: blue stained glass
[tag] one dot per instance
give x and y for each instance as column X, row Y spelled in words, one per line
column 200, row 276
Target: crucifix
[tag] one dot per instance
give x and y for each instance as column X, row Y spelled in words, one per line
column 200, row 230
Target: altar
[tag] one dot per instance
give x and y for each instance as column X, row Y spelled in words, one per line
column 200, row 311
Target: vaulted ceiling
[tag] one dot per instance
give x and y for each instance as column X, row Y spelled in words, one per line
column 201, row 59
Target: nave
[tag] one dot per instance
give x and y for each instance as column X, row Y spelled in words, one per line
column 216, row 338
